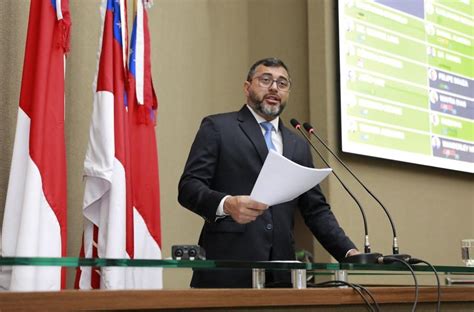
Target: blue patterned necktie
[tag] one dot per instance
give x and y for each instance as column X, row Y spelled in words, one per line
column 268, row 134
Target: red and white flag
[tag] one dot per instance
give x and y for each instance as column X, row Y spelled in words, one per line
column 106, row 201
column 144, row 157
column 34, row 223
column 121, row 199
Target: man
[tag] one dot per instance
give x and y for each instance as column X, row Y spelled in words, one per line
column 224, row 162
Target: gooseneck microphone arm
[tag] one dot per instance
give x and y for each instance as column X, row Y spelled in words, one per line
column 310, row 130
column 297, row 126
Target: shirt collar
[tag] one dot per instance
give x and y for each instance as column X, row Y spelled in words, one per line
column 260, row 119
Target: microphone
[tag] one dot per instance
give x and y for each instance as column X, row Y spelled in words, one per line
column 395, row 249
column 367, row 256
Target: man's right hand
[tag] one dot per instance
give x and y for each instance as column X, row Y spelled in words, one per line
column 243, row 209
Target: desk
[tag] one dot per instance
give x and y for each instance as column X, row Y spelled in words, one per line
column 327, row 299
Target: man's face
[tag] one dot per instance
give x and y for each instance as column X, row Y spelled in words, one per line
column 268, row 101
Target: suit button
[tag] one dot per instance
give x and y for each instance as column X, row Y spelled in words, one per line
column 269, row 226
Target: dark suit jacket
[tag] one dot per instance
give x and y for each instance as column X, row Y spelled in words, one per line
column 225, row 159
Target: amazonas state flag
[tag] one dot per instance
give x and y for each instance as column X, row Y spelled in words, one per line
column 107, row 203
column 121, row 200
column 144, row 158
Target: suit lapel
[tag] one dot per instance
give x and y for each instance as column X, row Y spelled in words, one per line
column 252, row 130
column 289, row 141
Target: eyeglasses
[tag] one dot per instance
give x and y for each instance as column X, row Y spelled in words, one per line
column 265, row 81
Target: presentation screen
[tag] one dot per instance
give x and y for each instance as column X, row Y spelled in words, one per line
column 407, row 80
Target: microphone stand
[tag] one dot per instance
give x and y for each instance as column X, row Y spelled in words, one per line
column 367, row 257
column 395, row 248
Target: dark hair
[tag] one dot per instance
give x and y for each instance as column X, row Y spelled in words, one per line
column 268, row 62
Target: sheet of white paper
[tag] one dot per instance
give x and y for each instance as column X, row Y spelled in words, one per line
column 282, row 180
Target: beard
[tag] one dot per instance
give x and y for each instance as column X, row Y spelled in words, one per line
column 266, row 110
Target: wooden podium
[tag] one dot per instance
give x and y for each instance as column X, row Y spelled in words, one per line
column 399, row 298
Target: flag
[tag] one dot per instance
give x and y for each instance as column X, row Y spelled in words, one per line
column 34, row 223
column 121, row 200
column 144, row 158
column 107, row 195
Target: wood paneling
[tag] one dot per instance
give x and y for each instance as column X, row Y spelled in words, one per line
column 219, row 298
